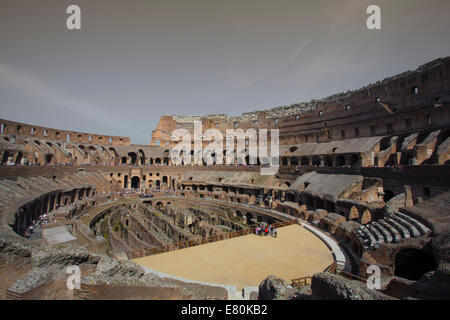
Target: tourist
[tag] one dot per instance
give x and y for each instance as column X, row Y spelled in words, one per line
column 275, row 232
column 266, row 231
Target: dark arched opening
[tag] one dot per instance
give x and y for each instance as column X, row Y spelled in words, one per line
column 19, row 157
column 388, row 195
column 135, row 182
column 316, row 161
column 328, row 161
column 340, row 161
column 249, row 218
column 355, row 161
column 142, row 156
column 5, row 157
column 48, row 158
column 133, row 157
column 304, row 161
column 159, row 206
column 412, row 264
column 308, row 201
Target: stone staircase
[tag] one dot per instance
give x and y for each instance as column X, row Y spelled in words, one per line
column 391, row 229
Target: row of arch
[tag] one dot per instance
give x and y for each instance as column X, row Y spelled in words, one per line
column 46, row 203
column 138, row 182
column 353, row 160
column 248, row 217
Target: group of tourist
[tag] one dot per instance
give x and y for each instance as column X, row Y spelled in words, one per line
column 42, row 219
column 264, row 230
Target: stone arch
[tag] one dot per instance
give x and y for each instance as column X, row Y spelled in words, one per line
column 19, row 157
column 5, row 157
column 294, row 161
column 353, row 214
column 355, row 161
column 289, row 196
column 388, row 195
column 328, row 161
column 308, row 201
column 159, row 205
column 141, row 156
column 366, row 217
column 249, row 218
column 412, row 263
column 316, row 161
column 113, row 151
column 304, row 161
column 318, row 203
column 330, row 206
column 135, row 182
column 133, row 157
column 149, row 202
column 340, row 161
column 48, row 158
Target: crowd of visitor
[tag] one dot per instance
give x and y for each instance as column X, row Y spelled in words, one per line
column 265, row 230
column 42, row 219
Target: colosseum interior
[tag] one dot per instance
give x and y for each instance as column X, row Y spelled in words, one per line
column 363, row 181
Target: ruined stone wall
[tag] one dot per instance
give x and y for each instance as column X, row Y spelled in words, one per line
column 33, row 131
column 413, row 101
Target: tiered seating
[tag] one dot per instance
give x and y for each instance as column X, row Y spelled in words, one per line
column 391, row 229
column 14, row 193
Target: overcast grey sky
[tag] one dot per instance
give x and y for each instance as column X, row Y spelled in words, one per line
column 135, row 60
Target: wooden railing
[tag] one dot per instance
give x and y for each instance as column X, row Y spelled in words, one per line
column 301, row 282
column 332, row 268
column 351, row 276
column 196, row 242
column 387, row 270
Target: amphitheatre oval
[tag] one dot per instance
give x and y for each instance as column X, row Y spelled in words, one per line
column 375, row 188
column 246, row 261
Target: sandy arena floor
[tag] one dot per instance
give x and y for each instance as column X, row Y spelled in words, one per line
column 247, row 260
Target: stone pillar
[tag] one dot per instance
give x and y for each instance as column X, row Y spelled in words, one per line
column 408, row 197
